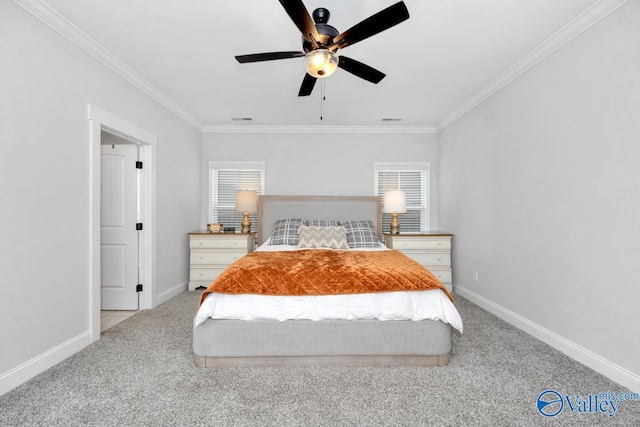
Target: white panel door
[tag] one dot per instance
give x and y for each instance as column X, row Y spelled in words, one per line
column 118, row 235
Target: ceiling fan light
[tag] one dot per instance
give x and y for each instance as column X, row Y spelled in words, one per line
column 321, row 63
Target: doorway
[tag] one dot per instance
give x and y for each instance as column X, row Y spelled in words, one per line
column 109, row 129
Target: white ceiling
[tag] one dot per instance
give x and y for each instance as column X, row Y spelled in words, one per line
column 436, row 62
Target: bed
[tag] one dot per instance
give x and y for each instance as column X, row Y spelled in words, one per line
column 231, row 330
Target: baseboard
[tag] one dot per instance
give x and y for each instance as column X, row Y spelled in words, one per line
column 168, row 294
column 586, row 357
column 24, row 372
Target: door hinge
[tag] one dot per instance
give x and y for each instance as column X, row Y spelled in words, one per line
column 138, row 165
column 139, row 287
column 138, row 226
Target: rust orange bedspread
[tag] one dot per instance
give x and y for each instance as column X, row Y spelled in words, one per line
column 323, row 272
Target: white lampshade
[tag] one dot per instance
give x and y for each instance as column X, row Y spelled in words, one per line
column 246, row 201
column 395, row 201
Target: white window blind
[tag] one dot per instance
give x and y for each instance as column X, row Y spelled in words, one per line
column 226, row 179
column 413, row 179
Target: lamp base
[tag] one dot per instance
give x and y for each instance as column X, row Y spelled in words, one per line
column 246, row 223
column 395, row 224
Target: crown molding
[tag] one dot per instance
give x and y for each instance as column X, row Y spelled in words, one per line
column 59, row 23
column 319, row 129
column 594, row 14
column 577, row 26
column 53, row 19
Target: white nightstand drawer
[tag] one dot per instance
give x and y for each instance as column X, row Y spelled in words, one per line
column 443, row 275
column 204, row 274
column 219, row 243
column 214, row 258
column 422, row 243
column 431, row 259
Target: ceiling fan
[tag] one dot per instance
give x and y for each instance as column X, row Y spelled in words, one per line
column 321, row 41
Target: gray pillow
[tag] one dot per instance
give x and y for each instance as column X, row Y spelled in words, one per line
column 361, row 234
column 285, row 231
column 321, row 223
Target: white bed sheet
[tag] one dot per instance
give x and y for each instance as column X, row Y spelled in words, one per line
column 405, row 305
column 411, row 305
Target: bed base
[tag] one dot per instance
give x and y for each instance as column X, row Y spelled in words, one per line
column 236, row 343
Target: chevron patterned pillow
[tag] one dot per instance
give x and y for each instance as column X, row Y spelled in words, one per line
column 322, row 237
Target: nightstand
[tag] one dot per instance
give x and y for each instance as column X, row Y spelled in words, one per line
column 211, row 253
column 432, row 250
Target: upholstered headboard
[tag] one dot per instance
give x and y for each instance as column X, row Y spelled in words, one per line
column 272, row 208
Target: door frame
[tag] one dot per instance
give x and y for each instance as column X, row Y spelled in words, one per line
column 100, row 121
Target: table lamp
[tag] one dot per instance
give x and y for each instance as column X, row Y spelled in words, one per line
column 395, row 202
column 246, row 201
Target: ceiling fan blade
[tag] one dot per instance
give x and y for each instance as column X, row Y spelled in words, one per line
column 361, row 70
column 300, row 16
column 268, row 56
column 383, row 20
column 307, row 85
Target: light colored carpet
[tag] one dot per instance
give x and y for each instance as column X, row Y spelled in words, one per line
column 141, row 373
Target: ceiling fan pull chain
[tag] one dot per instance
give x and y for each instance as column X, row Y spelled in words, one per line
column 324, row 91
column 321, row 96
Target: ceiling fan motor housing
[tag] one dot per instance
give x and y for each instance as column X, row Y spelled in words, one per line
column 325, row 31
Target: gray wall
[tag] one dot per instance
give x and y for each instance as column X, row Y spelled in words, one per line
column 46, row 84
column 541, row 186
column 319, row 164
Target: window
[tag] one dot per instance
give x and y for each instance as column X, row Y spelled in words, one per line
column 226, row 178
column 413, row 179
